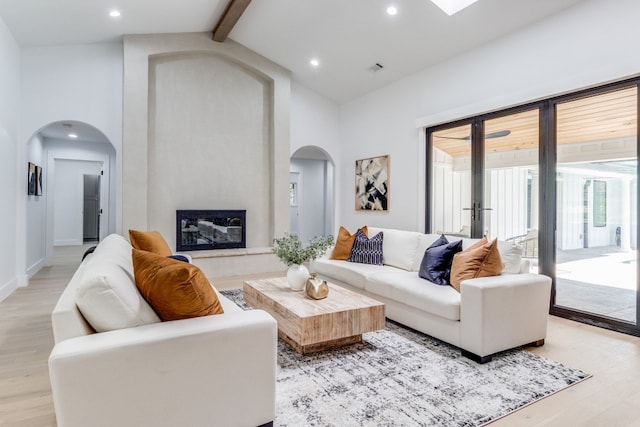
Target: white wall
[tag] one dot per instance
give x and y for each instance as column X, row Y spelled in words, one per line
column 36, row 212
column 10, row 168
column 75, row 82
column 315, row 121
column 588, row 44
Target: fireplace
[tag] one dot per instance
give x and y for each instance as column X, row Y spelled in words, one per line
column 210, row 229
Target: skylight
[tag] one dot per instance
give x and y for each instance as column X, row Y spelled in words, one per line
column 453, row 6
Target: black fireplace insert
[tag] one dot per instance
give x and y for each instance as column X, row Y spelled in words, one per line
column 210, row 229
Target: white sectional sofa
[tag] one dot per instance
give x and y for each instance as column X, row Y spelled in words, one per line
column 205, row 371
column 489, row 315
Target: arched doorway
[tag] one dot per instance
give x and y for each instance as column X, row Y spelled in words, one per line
column 77, row 197
column 311, row 193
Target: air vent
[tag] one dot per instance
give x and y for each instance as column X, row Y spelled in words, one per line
column 377, row 67
column 66, row 125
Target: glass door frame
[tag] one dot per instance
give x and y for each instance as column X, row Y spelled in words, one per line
column 476, row 204
column 547, row 191
column 548, row 247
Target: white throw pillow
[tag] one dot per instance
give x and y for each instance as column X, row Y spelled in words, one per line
column 107, row 295
column 398, row 247
column 511, row 255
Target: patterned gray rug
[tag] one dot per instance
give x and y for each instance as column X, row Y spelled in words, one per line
column 400, row 377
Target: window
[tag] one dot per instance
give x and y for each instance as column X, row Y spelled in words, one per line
column 599, row 203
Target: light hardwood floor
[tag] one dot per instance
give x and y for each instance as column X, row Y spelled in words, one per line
column 610, row 398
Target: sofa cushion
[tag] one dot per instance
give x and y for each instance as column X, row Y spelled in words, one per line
column 106, row 294
column 354, row 274
column 480, row 260
column 344, row 243
column 406, row 287
column 150, row 241
column 175, row 289
column 367, row 250
column 399, row 247
column 436, row 263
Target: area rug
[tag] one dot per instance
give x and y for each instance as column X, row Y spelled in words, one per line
column 401, row 377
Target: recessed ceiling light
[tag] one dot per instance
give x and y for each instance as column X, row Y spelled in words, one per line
column 453, row 6
column 314, row 62
column 391, row 10
column 114, row 13
column 73, row 135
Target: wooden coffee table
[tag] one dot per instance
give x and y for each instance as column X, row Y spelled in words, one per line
column 310, row 325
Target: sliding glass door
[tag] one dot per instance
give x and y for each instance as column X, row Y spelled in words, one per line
column 596, row 204
column 560, row 178
column 451, row 211
column 511, row 181
column 485, row 179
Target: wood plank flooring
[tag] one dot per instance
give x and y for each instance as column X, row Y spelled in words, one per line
column 610, row 398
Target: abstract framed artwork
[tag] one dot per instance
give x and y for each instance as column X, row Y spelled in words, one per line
column 31, row 179
column 372, row 184
column 38, row 181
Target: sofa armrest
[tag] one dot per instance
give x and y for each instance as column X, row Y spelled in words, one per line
column 214, row 370
column 502, row 312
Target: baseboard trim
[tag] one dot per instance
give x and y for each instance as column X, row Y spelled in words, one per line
column 35, row 268
column 8, row 288
column 68, row 242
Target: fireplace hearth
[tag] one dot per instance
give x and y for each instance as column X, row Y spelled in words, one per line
column 210, row 229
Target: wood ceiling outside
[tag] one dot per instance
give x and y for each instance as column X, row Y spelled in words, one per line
column 602, row 117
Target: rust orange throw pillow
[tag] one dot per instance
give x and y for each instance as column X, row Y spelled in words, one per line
column 150, row 241
column 480, row 260
column 344, row 243
column 174, row 289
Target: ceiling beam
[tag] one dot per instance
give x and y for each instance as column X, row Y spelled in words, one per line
column 229, row 18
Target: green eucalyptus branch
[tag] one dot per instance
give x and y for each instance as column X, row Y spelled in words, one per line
column 291, row 251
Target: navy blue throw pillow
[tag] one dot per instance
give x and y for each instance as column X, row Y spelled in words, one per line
column 88, row 251
column 436, row 263
column 367, row 250
column 179, row 258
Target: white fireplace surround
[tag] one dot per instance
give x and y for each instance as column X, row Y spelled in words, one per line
column 206, row 126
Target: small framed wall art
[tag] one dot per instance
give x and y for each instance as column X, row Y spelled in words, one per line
column 372, row 184
column 38, row 181
column 31, row 179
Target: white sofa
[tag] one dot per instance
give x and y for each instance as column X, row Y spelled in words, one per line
column 489, row 315
column 206, row 371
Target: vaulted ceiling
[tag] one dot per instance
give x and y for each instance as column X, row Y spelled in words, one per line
column 347, row 37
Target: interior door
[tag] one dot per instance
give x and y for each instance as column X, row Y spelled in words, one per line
column 91, row 208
